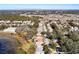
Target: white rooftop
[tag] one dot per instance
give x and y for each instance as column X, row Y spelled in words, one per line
column 10, row 29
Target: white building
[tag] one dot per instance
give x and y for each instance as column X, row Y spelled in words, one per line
column 10, row 29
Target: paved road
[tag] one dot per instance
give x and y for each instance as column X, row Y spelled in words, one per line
column 39, row 49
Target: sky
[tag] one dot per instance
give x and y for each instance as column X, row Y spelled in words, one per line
column 39, row 6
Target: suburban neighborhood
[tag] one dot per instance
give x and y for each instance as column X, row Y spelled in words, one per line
column 39, row 32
